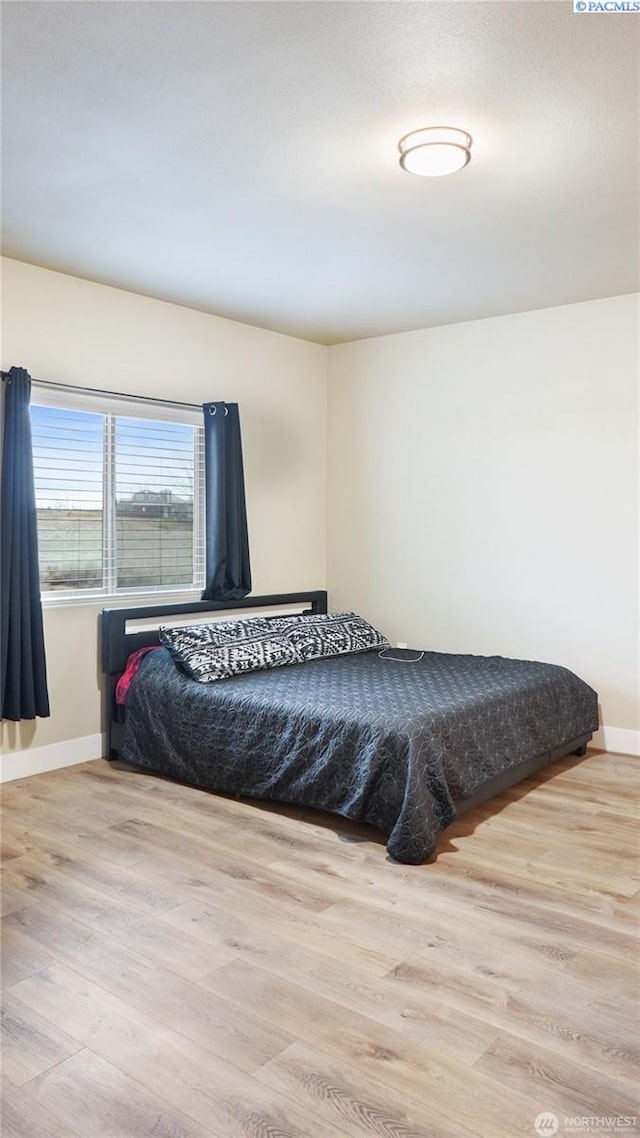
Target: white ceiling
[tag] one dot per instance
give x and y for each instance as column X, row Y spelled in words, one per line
column 241, row 157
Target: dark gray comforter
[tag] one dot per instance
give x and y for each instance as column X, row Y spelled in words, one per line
column 393, row 744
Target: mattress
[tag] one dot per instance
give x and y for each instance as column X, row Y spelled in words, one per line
column 396, row 743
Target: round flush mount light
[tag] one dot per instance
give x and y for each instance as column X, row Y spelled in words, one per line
column 435, row 150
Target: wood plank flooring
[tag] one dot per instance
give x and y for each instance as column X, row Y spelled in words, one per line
column 181, row 965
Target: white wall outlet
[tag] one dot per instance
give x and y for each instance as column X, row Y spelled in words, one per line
column 401, row 644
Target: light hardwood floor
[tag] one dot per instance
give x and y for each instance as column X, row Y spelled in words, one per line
column 181, row 965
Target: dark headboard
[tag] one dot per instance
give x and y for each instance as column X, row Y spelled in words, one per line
column 118, row 644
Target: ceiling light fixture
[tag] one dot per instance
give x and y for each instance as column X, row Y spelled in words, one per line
column 435, row 150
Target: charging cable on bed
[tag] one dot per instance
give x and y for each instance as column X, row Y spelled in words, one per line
column 401, row 659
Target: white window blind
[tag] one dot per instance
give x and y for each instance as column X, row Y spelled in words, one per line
column 119, row 496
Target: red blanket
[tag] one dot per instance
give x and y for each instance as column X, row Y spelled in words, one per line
column 133, row 663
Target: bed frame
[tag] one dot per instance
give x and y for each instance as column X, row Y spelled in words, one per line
column 118, row 643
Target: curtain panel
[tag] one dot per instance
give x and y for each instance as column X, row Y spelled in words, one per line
column 23, row 673
column 227, row 539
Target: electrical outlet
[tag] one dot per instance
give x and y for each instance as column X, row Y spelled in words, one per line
column 401, row 644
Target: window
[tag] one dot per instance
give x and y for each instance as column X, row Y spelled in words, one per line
column 119, row 496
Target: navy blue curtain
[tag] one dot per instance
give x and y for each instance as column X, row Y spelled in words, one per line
column 23, row 673
column 228, row 568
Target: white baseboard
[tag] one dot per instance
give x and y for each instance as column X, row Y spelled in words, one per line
column 37, row 760
column 618, row 740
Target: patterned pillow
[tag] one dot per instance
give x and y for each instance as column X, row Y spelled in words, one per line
column 208, row 652
column 323, row 635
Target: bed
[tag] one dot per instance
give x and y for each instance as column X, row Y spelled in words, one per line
column 405, row 743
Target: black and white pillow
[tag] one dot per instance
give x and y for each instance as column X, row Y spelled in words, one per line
column 322, row 635
column 216, row 651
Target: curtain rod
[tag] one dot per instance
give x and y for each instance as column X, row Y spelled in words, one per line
column 113, row 394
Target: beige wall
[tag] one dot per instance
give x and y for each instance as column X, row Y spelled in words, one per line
column 483, row 491
column 482, row 476
column 72, row 331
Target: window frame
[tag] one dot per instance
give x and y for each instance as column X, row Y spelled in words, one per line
column 112, row 408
